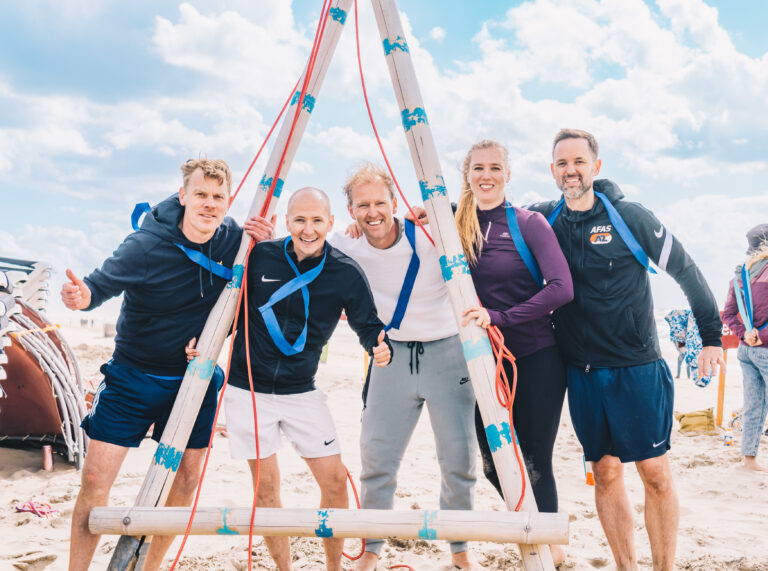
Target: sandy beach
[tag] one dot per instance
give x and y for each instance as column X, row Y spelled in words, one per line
column 724, row 508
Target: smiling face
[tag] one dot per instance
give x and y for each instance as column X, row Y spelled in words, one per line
column 308, row 220
column 574, row 167
column 372, row 206
column 205, row 201
column 487, row 177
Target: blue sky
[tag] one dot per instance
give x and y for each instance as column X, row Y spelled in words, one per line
column 101, row 101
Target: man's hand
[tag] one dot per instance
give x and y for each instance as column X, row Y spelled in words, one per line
column 709, row 358
column 259, row 228
column 479, row 314
column 74, row 293
column 420, row 213
column 190, row 349
column 353, row 231
column 752, row 338
column 381, row 353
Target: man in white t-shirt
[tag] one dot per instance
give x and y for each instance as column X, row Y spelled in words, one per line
column 427, row 367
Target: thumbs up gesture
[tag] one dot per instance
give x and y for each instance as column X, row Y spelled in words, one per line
column 381, row 353
column 74, row 293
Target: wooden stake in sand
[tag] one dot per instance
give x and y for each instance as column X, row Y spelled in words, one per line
column 167, row 458
column 449, row 525
column 477, row 348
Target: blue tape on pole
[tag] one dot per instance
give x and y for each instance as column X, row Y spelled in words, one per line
column 453, row 266
column 204, row 369
column 237, row 277
column 322, row 529
column 428, row 191
column 308, row 104
column 168, row 457
column 267, row 182
column 411, row 118
column 225, row 529
column 474, row 348
column 398, row 43
column 498, row 435
column 338, row 14
column 428, row 532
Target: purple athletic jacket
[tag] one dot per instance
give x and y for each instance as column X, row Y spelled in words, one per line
column 759, row 308
column 506, row 288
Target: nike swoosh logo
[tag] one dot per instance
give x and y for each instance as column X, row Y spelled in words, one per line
column 327, row 443
column 464, row 380
column 659, row 233
column 657, row 444
column 266, row 279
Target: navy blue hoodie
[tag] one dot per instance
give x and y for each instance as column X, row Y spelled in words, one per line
column 167, row 296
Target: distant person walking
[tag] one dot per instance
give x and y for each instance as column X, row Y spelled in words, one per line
column 748, row 299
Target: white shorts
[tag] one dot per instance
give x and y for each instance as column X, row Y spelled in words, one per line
column 304, row 418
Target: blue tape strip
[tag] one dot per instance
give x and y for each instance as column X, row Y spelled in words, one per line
column 267, row 182
column 453, row 266
column 411, row 118
column 237, row 277
column 204, row 369
column 474, row 348
column 322, row 529
column 225, row 529
column 428, row 532
column 168, row 456
column 496, row 433
column 428, row 192
column 338, row 14
column 308, row 104
column 398, row 43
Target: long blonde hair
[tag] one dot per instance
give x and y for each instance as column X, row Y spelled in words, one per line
column 466, row 212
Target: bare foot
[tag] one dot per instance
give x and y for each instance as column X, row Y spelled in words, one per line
column 750, row 463
column 462, row 561
column 558, row 554
column 367, row 562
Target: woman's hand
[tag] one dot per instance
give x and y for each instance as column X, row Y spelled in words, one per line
column 479, row 314
column 190, row 349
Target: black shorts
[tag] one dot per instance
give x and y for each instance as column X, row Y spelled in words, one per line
column 623, row 411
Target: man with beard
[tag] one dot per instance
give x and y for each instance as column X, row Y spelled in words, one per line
column 620, row 390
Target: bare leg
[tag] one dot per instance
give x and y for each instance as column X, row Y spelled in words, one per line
column 463, row 561
column 182, row 493
column 367, row 562
column 662, row 510
column 614, row 511
column 269, row 497
column 99, row 472
column 332, row 479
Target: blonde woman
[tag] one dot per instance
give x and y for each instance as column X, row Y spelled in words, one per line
column 521, row 276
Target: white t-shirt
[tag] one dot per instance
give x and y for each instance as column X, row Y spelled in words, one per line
column 428, row 316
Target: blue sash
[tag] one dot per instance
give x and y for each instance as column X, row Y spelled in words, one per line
column 410, row 278
column 619, row 224
column 745, row 305
column 195, row 255
column 522, row 247
column 300, row 282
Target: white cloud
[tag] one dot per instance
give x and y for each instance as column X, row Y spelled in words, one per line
column 437, row 33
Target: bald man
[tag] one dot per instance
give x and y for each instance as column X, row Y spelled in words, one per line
column 296, row 290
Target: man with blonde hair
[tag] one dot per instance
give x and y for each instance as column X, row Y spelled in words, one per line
column 170, row 272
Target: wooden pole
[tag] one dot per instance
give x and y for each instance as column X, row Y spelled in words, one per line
column 165, row 462
column 477, row 348
column 449, row 525
column 721, row 391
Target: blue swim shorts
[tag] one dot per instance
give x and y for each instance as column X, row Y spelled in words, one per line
column 129, row 401
column 623, row 411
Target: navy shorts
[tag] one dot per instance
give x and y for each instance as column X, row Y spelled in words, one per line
column 129, row 401
column 623, row 411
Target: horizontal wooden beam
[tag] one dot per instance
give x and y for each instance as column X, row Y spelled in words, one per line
column 451, row 525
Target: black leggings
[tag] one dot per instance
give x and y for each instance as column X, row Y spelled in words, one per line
column 536, row 412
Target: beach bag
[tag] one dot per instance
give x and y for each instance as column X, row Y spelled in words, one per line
column 696, row 422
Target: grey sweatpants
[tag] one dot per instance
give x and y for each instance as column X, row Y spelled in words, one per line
column 435, row 373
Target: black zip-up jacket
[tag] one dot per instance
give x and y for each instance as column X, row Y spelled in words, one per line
column 167, row 297
column 610, row 322
column 340, row 285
